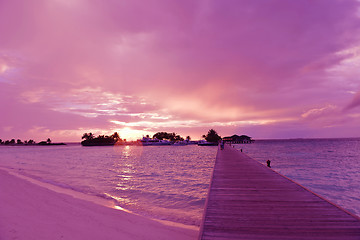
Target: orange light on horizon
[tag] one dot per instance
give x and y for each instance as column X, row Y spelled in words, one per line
column 130, row 134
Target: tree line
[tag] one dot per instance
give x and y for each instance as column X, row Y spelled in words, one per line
column 89, row 139
column 172, row 137
column 26, row 142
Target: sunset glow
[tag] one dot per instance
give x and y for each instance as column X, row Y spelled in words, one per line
column 268, row 69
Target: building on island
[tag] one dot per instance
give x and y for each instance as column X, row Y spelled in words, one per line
column 238, row 139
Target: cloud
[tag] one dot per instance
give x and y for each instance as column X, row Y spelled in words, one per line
column 355, row 102
column 82, row 64
column 316, row 113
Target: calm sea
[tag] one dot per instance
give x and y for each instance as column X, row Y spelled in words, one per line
column 171, row 182
column 328, row 167
column 163, row 182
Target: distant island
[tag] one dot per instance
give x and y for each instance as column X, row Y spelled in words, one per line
column 160, row 138
column 101, row 140
column 212, row 138
column 30, row 142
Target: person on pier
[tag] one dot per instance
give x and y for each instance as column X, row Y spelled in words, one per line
column 268, row 163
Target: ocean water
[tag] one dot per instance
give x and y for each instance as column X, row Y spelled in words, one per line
column 162, row 182
column 171, row 182
column 328, row 167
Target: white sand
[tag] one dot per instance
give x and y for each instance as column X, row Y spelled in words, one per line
column 29, row 211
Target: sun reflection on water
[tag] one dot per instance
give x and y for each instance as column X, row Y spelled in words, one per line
column 126, row 151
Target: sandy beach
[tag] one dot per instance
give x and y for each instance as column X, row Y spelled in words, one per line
column 30, row 211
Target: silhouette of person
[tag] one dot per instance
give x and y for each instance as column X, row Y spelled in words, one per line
column 268, row 163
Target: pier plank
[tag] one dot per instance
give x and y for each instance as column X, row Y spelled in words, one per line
column 248, row 200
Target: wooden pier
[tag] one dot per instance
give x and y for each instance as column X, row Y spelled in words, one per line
column 248, row 200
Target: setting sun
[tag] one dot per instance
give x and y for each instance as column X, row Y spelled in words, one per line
column 131, row 134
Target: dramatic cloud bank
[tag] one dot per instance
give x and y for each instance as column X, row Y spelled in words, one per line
column 269, row 69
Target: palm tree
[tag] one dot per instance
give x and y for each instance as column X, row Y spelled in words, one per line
column 88, row 136
column 115, row 136
column 85, row 135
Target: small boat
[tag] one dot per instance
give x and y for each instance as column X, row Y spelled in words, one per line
column 145, row 141
column 181, row 143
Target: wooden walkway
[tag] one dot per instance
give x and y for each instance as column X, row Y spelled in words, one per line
column 248, row 200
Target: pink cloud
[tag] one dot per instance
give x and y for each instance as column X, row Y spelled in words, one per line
column 355, row 102
column 202, row 62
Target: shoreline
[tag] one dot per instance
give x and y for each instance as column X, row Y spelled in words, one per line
column 31, row 209
column 109, row 202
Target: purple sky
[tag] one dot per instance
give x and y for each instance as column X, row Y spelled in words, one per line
column 265, row 68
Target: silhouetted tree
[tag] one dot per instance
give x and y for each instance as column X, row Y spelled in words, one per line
column 88, row 136
column 48, row 141
column 169, row 136
column 160, row 135
column 115, row 136
column 12, row 141
column 19, row 141
column 101, row 140
column 188, row 138
column 212, row 136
